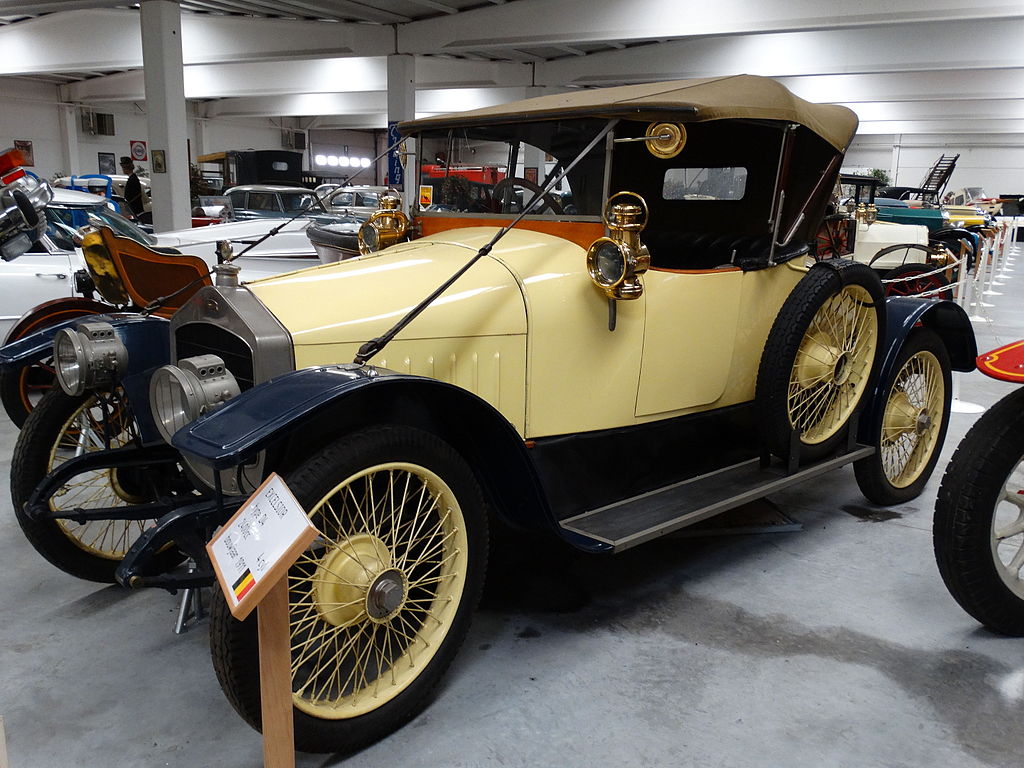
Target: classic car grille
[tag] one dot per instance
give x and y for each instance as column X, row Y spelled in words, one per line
column 194, row 339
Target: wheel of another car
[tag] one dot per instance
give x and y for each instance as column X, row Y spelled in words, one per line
column 550, row 201
column 978, row 530
column 909, row 435
column 59, row 428
column 22, row 388
column 917, row 280
column 820, row 357
column 381, row 602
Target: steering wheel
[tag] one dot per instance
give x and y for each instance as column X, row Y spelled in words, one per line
column 514, row 181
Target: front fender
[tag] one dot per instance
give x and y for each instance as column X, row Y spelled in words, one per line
column 300, row 411
column 903, row 314
column 54, row 311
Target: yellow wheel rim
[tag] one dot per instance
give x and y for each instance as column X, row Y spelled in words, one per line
column 83, row 433
column 832, row 364
column 373, row 599
column 912, row 420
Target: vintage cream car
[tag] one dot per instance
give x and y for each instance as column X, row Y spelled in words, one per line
column 667, row 351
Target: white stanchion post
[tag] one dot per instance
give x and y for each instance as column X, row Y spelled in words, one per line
column 971, row 302
column 993, row 259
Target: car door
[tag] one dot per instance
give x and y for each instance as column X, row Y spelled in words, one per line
column 41, row 274
column 690, row 334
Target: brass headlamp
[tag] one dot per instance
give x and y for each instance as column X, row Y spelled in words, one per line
column 616, row 262
column 385, row 227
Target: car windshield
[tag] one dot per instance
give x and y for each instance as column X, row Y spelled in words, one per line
column 294, row 202
column 467, row 170
column 63, row 221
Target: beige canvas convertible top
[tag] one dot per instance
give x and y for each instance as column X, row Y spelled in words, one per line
column 712, row 98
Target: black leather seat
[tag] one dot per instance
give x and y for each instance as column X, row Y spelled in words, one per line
column 710, row 250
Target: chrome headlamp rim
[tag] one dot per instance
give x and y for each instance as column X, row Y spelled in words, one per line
column 88, row 356
column 180, row 394
column 69, row 360
column 168, row 384
column 597, row 274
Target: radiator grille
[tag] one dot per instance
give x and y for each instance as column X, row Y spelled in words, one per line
column 194, row 339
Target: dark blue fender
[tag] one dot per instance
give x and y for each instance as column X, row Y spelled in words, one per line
column 947, row 319
column 147, row 339
column 305, row 409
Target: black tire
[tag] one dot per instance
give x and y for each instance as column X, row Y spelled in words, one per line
column 344, row 718
column 802, row 343
column 50, row 435
column 934, row 286
column 912, row 427
column 965, row 516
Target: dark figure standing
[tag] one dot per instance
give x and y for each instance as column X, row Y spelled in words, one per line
column 133, row 193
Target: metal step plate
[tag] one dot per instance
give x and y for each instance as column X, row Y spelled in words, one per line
column 633, row 521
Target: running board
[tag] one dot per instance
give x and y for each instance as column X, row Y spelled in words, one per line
column 633, row 521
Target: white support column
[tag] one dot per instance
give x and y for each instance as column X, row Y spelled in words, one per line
column 402, row 106
column 67, row 121
column 165, row 112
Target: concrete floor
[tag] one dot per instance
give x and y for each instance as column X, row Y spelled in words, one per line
column 834, row 645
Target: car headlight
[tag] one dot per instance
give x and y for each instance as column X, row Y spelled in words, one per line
column 369, row 238
column 88, row 356
column 180, row 394
column 607, row 261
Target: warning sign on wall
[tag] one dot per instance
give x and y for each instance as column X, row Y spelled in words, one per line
column 138, row 150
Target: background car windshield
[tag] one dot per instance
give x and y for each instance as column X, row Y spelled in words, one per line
column 62, row 223
column 294, row 202
column 467, row 170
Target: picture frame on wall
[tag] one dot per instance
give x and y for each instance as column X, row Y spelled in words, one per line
column 106, row 163
column 159, row 161
column 25, row 147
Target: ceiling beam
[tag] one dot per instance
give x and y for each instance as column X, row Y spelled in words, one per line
column 431, row 101
column 110, row 39
column 541, row 22
column 213, row 81
column 974, row 45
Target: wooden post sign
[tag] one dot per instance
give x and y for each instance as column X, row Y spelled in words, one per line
column 251, row 555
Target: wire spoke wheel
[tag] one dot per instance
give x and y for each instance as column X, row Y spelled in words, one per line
column 913, row 417
column 381, row 601
column 59, row 429
column 917, row 280
column 820, row 359
column 85, row 432
column 373, row 600
column 832, row 365
column 910, row 425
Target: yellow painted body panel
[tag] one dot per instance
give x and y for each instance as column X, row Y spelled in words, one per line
column 687, row 353
column 692, row 342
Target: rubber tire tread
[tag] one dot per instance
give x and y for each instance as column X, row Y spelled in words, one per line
column 794, row 318
column 10, row 396
column 870, row 476
column 29, row 467
column 234, row 645
column 961, row 531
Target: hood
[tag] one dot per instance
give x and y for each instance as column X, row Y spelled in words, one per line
column 358, row 299
column 250, row 229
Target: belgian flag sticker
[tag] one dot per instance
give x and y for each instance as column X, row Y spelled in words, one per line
column 243, row 585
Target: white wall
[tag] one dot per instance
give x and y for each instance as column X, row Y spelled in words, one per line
column 992, row 161
column 31, row 113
